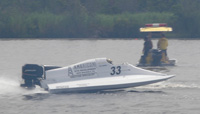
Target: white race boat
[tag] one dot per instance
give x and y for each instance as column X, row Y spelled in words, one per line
column 90, row 75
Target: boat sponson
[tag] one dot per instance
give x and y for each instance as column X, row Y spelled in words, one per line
column 105, row 87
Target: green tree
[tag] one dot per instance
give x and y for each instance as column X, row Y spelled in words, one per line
column 188, row 15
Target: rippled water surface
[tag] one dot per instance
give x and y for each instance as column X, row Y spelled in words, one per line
column 179, row 95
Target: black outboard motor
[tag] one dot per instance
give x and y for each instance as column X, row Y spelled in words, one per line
column 33, row 73
column 156, row 56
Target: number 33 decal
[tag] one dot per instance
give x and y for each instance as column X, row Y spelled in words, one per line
column 115, row 70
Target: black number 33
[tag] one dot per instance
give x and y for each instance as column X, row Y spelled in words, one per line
column 115, row 70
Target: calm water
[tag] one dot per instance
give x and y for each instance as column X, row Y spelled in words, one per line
column 179, row 95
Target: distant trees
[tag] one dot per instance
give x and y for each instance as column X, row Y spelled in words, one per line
column 96, row 18
column 188, row 18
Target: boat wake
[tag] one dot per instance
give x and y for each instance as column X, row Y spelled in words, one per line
column 167, row 85
column 8, row 85
column 11, row 86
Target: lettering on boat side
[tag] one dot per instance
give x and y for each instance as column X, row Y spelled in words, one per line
column 82, row 70
column 85, row 65
column 60, row 87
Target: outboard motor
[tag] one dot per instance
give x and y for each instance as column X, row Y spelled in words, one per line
column 33, row 73
column 157, row 56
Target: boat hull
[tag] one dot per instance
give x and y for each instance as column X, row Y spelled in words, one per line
column 93, row 85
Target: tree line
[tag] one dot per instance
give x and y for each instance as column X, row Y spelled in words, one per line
column 96, row 18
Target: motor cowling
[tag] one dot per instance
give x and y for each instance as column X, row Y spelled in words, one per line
column 32, row 74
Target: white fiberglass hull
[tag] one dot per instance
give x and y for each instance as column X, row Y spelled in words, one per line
column 90, row 75
column 106, row 83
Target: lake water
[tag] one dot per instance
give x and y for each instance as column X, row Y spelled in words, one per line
column 179, row 95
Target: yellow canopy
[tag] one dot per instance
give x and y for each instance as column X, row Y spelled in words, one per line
column 156, row 29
